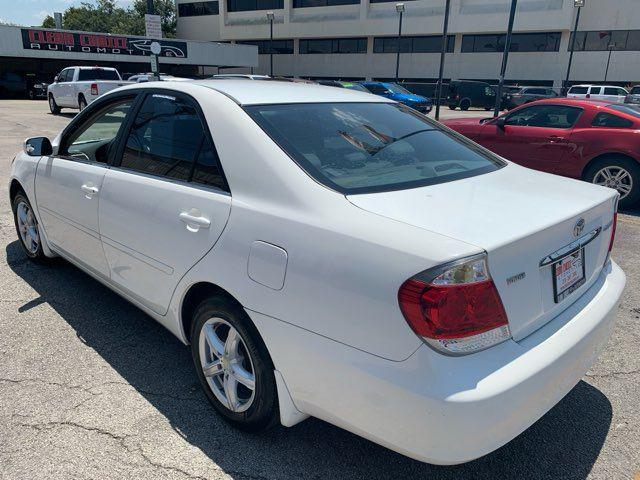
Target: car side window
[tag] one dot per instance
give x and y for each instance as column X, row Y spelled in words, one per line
column 611, row 91
column 595, row 90
column 545, row 116
column 62, row 76
column 608, row 120
column 377, row 89
column 94, row 140
column 207, row 168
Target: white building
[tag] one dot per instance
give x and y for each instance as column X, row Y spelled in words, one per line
column 357, row 38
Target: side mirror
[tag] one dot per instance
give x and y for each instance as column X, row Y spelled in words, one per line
column 38, row 146
column 500, row 123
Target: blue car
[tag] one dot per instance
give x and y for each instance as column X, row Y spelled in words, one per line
column 399, row 94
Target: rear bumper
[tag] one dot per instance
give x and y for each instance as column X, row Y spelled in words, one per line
column 447, row 410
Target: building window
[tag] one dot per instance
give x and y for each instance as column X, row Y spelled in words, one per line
column 333, row 45
column 414, row 44
column 323, row 3
column 597, row 41
column 520, row 42
column 197, row 9
column 279, row 47
column 249, row 5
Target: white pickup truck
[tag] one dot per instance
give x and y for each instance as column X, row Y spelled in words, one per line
column 77, row 87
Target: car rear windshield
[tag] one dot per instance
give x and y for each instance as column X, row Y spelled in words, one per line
column 370, row 147
column 97, row 74
column 628, row 109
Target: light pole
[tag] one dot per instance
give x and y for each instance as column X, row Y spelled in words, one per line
column 611, row 47
column 505, row 57
column 445, row 43
column 577, row 4
column 270, row 16
column 400, row 10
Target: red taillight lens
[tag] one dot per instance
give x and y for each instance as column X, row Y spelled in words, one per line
column 94, row 89
column 457, row 312
column 613, row 230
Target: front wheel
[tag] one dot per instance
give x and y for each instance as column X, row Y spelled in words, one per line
column 465, row 105
column 233, row 365
column 622, row 174
column 53, row 106
column 27, row 227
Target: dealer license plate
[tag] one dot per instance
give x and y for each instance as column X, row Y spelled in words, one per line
column 568, row 275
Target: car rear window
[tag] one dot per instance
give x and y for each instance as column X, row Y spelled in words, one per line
column 370, row 147
column 628, row 109
column 97, row 74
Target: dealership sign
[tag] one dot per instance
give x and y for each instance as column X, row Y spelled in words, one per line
column 60, row 41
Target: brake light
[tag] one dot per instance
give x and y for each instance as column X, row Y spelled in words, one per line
column 455, row 308
column 94, row 89
column 613, row 230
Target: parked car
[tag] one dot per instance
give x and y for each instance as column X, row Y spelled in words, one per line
column 12, row 85
column 77, row 87
column 239, row 76
column 331, row 253
column 521, row 95
column 633, row 96
column 149, row 77
column 609, row 93
column 466, row 94
column 594, row 141
column 343, row 84
column 400, row 94
column 38, row 90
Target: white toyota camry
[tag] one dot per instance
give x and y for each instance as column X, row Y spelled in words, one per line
column 332, row 253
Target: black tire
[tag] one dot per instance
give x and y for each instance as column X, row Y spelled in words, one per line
column 263, row 412
column 486, row 109
column 31, row 94
column 82, row 103
column 53, row 106
column 35, row 254
column 618, row 162
column 452, row 107
column 465, row 104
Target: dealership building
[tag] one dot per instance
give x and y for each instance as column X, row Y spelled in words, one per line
column 357, row 39
column 30, row 55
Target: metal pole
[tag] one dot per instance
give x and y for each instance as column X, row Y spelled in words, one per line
column 565, row 87
column 443, row 52
column 150, row 9
column 398, row 51
column 505, row 57
column 606, row 72
column 271, row 47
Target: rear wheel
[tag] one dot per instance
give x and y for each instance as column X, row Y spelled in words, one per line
column 82, row 103
column 53, row 106
column 452, row 107
column 27, row 227
column 233, row 365
column 465, row 104
column 620, row 173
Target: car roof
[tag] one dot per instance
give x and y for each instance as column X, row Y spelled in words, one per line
column 594, row 85
column 576, row 102
column 259, row 93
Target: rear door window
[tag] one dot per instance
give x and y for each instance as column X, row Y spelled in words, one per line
column 595, row 90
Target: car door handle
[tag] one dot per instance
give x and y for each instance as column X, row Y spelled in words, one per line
column 194, row 221
column 89, row 190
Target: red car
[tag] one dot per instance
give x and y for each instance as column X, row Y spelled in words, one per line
column 596, row 141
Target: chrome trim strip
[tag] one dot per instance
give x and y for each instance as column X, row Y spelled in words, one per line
column 572, row 247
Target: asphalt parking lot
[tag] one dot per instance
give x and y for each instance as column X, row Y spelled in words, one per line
column 90, row 387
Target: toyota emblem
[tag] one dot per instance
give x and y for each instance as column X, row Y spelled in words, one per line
column 579, row 227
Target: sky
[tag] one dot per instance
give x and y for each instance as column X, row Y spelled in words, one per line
column 32, row 12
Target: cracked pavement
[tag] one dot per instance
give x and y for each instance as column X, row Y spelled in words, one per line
column 91, row 388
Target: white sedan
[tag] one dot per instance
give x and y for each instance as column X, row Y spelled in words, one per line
column 332, row 253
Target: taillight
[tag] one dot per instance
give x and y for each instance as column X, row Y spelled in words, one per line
column 455, row 308
column 94, row 89
column 613, row 230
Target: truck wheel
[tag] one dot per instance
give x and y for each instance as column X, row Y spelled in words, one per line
column 82, row 103
column 465, row 104
column 53, row 106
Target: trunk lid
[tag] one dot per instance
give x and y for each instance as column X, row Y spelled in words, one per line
column 519, row 217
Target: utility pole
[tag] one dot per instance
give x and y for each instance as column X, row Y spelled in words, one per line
column 270, row 16
column 505, row 57
column 443, row 52
column 150, row 9
column 578, row 4
column 400, row 10
column 611, row 47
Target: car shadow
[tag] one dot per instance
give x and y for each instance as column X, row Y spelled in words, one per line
column 565, row 443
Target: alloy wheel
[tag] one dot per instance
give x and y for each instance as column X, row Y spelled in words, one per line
column 615, row 177
column 227, row 365
column 28, row 227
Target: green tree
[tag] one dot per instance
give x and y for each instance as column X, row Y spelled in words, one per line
column 107, row 17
